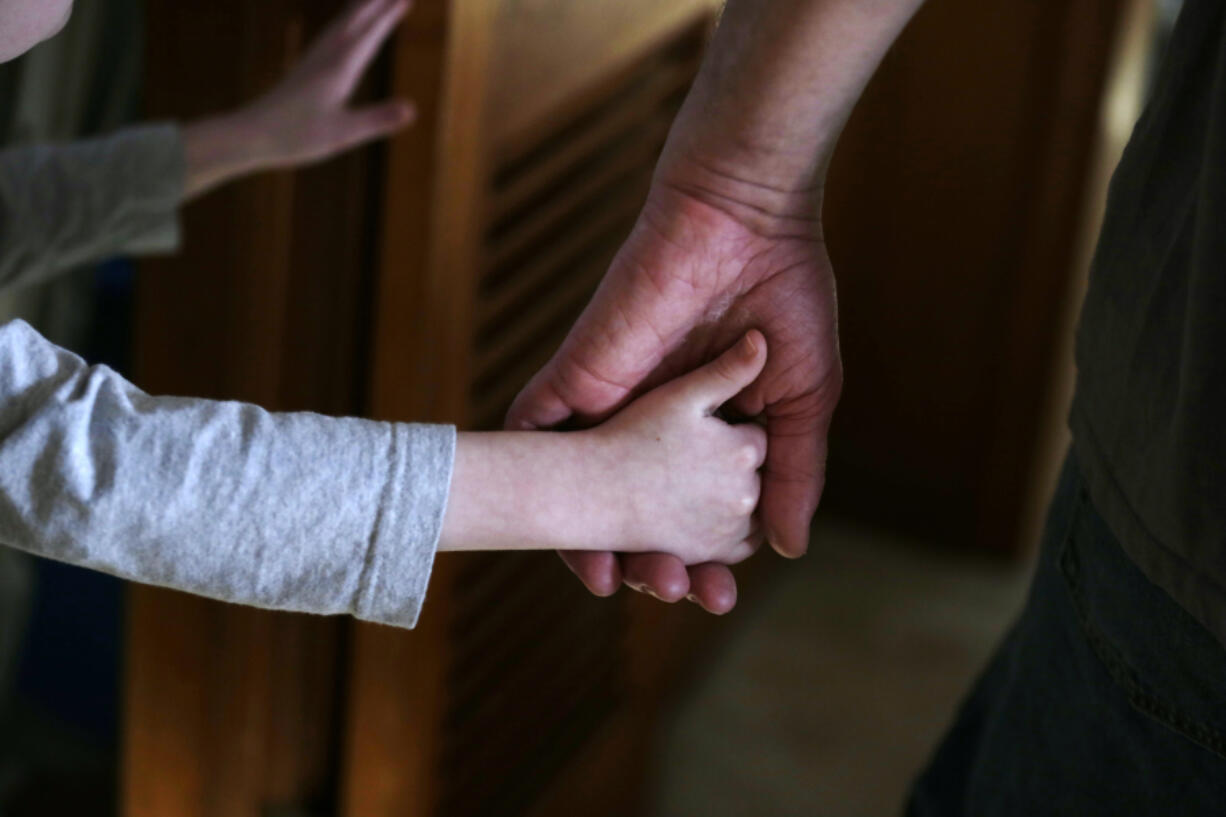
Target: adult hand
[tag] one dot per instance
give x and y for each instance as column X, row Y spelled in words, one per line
column 696, row 272
column 306, row 117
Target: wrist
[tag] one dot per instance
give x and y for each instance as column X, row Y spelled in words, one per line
column 534, row 490
column 766, row 194
column 219, row 149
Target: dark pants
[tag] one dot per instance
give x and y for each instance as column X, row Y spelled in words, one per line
column 1105, row 697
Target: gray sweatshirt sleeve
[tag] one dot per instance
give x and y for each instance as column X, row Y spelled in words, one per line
column 64, row 205
column 290, row 511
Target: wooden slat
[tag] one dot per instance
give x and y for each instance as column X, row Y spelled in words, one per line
column 489, row 405
column 538, row 710
column 520, row 287
column 479, row 590
column 510, row 285
column 527, row 713
column 526, row 613
column 620, row 120
column 599, row 172
column 535, row 771
column 551, row 73
column 563, row 296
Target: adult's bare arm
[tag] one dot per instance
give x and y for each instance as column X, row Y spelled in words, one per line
column 730, row 238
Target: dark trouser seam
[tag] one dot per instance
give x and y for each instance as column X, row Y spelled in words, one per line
column 1140, row 696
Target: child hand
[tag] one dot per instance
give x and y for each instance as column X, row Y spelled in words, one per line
column 663, row 475
column 690, row 480
column 306, row 117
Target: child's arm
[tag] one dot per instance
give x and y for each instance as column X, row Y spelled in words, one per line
column 292, row 511
column 296, row 511
column 663, row 475
column 63, row 205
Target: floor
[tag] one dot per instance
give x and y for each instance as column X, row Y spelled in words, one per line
column 835, row 688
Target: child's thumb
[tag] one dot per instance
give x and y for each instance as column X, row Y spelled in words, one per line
column 725, row 377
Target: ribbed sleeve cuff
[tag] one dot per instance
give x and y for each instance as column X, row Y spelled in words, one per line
column 410, row 521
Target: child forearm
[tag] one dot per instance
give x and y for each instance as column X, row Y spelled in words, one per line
column 531, row 490
column 662, row 475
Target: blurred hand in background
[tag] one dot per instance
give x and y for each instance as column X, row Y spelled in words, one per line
column 306, row 117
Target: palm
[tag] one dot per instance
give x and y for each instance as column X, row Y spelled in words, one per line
column 688, row 282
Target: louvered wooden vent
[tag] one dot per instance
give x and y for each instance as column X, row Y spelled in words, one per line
column 559, row 207
column 537, row 662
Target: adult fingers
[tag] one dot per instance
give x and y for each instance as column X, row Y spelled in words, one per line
column 657, row 574
column 599, row 571
column 712, row 587
column 537, row 405
column 792, row 480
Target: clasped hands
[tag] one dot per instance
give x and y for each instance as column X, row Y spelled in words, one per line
column 698, row 272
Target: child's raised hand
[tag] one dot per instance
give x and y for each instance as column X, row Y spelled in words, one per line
column 690, row 480
column 307, row 116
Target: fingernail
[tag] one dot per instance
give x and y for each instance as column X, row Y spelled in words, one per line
column 693, row 598
column 644, row 589
column 748, row 347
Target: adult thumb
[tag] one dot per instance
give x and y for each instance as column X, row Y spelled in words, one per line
column 725, row 377
column 537, row 406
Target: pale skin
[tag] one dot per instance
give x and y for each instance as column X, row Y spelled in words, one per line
column 663, row 474
column 306, row 117
column 730, row 238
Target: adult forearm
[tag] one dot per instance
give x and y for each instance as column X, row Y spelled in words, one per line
column 778, row 83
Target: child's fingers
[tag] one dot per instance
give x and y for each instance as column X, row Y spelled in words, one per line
column 752, row 439
column 746, row 548
column 751, row 540
column 723, row 378
column 362, row 48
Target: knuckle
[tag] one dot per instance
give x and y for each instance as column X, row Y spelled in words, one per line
column 758, row 435
column 744, row 503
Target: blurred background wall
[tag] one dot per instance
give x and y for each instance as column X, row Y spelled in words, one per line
column 428, row 278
